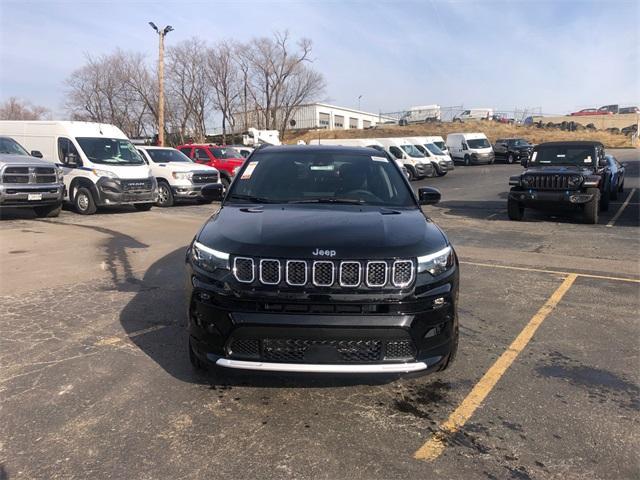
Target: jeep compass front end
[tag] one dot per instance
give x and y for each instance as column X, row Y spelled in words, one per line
column 321, row 260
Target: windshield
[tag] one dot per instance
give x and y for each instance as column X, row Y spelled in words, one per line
column 412, row 151
column 10, row 146
column 564, row 155
column 440, row 145
column 519, row 143
column 321, row 177
column 423, row 150
column 226, row 152
column 167, row 155
column 478, row 143
column 110, row 151
column 433, row 149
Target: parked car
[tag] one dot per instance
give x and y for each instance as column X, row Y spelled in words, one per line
column 617, row 176
column 243, row 150
column 441, row 162
column 590, row 111
column 440, row 143
column 470, row 148
column 343, row 249
column 474, row 114
column 562, row 174
column 226, row 160
column 27, row 181
column 414, row 161
column 100, row 166
column 177, row 175
column 512, row 149
column 627, row 110
column 608, row 110
column 421, row 114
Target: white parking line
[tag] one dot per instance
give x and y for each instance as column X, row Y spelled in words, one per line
column 620, row 210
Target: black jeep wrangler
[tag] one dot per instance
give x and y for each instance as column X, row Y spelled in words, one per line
column 321, row 261
column 572, row 174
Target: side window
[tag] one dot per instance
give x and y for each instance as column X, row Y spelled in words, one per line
column 200, row 155
column 66, row 151
column 396, row 152
column 186, row 151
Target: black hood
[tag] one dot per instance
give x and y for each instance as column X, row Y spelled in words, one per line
column 558, row 170
column 295, row 231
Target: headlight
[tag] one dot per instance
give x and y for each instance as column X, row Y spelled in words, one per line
column 436, row 263
column 527, row 181
column 104, row 173
column 575, row 180
column 182, row 175
column 209, row 259
column 59, row 174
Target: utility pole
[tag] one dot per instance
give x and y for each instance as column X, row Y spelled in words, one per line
column 161, row 34
column 359, row 98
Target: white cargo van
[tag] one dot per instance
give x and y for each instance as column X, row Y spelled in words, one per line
column 414, row 161
column 100, row 166
column 360, row 142
column 474, row 114
column 470, row 148
column 439, row 142
column 177, row 175
column 441, row 162
column 421, row 114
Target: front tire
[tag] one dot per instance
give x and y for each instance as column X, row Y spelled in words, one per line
column 467, row 160
column 143, row 207
column 165, row 195
column 47, row 211
column 83, row 202
column 196, row 363
column 591, row 208
column 510, row 158
column 604, row 199
column 515, row 210
column 225, row 185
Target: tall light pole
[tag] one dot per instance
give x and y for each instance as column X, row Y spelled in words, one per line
column 161, row 33
column 359, row 97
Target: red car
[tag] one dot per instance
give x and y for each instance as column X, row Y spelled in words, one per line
column 591, row 111
column 226, row 159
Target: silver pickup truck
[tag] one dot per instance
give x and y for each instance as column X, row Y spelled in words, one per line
column 27, row 181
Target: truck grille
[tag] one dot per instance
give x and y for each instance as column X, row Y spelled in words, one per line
column 136, row 184
column 296, row 350
column 205, row 177
column 325, row 273
column 547, row 182
column 26, row 175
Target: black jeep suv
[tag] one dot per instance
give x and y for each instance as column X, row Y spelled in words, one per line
column 512, row 149
column 321, row 260
column 574, row 174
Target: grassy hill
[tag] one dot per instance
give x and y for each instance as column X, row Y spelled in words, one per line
column 492, row 130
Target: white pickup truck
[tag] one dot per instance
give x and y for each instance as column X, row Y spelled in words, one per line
column 177, row 175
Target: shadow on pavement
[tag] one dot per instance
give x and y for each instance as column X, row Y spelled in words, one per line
column 155, row 321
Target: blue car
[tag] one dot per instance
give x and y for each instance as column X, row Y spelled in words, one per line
column 617, row 176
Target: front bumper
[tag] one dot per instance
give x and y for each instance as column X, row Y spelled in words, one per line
column 446, row 165
column 355, row 334
column 17, row 195
column 113, row 192
column 187, row 191
column 533, row 198
column 482, row 159
column 425, row 169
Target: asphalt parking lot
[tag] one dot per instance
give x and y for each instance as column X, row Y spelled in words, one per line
column 95, row 381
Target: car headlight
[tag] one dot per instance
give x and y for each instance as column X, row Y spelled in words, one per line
column 575, row 180
column 104, row 173
column 182, row 175
column 436, row 263
column 527, row 181
column 209, row 259
column 59, row 174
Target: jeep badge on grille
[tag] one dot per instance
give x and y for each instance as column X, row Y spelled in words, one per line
column 323, row 253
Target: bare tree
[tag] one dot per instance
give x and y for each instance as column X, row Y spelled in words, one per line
column 16, row 109
column 225, row 78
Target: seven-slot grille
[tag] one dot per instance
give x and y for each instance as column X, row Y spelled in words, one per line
column 29, row 175
column 548, row 182
column 325, row 273
column 205, row 177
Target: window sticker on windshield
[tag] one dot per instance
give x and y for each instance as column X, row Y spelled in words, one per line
column 588, row 159
column 379, row 159
column 248, row 171
column 561, row 155
column 325, row 168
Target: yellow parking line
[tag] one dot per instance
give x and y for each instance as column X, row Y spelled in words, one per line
column 624, row 205
column 557, row 272
column 435, row 446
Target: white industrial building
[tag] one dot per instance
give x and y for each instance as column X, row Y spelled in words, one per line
column 319, row 115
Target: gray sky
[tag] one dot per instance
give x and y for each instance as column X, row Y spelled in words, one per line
column 558, row 55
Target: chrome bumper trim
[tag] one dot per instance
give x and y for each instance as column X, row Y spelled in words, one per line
column 322, row 368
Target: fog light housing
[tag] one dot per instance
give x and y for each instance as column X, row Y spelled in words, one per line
column 438, row 302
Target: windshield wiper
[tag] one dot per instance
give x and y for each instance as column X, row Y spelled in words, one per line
column 250, row 198
column 346, row 201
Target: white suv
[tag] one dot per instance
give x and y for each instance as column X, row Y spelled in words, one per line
column 177, row 175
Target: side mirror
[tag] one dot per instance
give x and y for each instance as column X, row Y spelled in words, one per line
column 213, row 192
column 36, row 153
column 602, row 162
column 428, row 195
column 524, row 162
column 72, row 160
